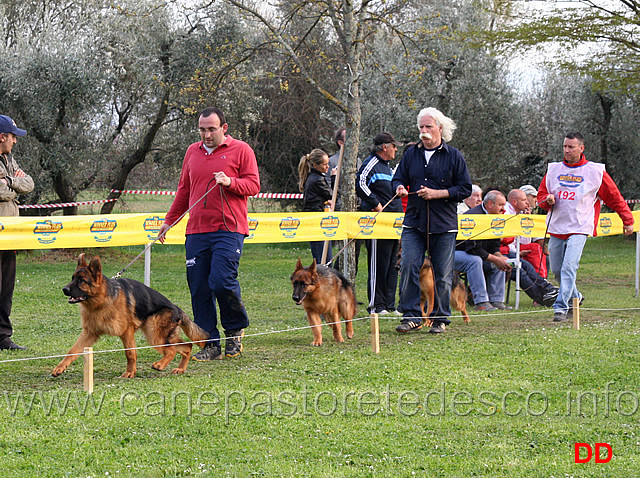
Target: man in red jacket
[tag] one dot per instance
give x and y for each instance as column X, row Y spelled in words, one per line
column 571, row 192
column 217, row 226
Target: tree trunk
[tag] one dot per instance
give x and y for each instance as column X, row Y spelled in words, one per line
column 348, row 177
column 606, row 104
column 139, row 155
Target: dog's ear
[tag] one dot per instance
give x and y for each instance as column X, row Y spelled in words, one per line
column 95, row 267
column 81, row 260
column 312, row 267
column 299, row 265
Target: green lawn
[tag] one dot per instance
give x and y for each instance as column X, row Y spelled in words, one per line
column 506, row 395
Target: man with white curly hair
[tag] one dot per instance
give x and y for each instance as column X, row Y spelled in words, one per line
column 435, row 177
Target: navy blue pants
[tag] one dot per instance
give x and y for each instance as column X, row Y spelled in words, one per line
column 383, row 276
column 212, row 275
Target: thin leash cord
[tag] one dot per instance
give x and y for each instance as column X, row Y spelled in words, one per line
column 354, row 237
column 223, row 199
column 160, row 236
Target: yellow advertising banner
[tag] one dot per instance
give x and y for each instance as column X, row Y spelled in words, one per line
column 56, row 232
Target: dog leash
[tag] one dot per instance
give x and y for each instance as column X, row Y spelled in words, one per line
column 160, row 236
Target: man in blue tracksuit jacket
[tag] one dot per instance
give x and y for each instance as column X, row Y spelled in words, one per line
column 435, row 177
column 373, row 186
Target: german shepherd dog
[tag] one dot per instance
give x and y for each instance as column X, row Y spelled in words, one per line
column 119, row 307
column 427, row 293
column 324, row 291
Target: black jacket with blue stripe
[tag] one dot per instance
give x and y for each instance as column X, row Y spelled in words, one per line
column 373, row 185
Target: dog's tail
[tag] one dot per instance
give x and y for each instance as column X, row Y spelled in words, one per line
column 193, row 330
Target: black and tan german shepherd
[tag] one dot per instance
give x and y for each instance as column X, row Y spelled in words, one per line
column 324, row 291
column 119, row 307
column 427, row 293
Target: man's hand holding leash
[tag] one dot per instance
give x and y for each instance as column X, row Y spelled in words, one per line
column 428, row 193
column 222, row 178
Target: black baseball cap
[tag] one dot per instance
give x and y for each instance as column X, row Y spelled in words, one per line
column 7, row 125
column 385, row 138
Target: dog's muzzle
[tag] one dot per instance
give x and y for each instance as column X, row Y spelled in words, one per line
column 72, row 300
column 298, row 299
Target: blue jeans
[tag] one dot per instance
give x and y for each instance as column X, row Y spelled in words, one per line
column 212, row 275
column 485, row 280
column 440, row 248
column 564, row 256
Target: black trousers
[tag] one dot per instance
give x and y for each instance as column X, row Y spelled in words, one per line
column 7, row 285
column 383, row 276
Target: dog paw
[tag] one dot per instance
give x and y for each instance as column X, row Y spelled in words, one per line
column 128, row 375
column 58, row 371
column 177, row 371
column 157, row 366
column 316, row 344
column 350, row 336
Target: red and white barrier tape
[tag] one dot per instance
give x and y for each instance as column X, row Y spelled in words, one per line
column 139, row 191
column 64, row 204
column 172, row 193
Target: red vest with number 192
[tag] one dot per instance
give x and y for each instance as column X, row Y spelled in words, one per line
column 575, row 191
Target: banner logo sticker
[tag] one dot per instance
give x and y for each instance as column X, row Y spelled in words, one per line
column 46, row 231
column 366, row 224
column 289, row 227
column 152, row 226
column 527, row 224
column 253, row 227
column 467, row 225
column 605, row 225
column 329, row 225
column 103, row 228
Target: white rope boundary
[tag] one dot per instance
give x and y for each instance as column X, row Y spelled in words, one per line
column 258, row 334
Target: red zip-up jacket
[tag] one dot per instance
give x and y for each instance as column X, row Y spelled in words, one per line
column 608, row 192
column 213, row 213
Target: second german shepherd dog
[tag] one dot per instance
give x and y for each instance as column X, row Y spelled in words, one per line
column 324, row 291
column 427, row 293
column 119, row 307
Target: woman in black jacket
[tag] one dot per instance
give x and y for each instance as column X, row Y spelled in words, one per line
column 313, row 168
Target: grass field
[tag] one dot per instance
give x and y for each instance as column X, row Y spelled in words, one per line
column 507, row 395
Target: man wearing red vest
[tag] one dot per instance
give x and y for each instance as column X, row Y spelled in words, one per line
column 571, row 192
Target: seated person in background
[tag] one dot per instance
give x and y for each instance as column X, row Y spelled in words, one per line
column 472, row 201
column 532, row 196
column 530, row 248
column 482, row 260
column 531, row 282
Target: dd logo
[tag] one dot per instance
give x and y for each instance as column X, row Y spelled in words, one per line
column 595, row 452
